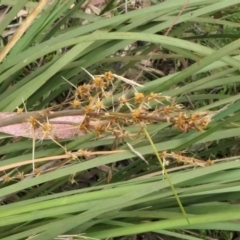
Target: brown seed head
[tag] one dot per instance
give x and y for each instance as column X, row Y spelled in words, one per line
column 34, row 122
column 47, row 129
column 20, row 175
column 136, row 115
column 108, row 76
column 75, row 103
column 83, row 91
column 123, row 100
column 139, row 97
column 6, row 178
column 99, row 83
column 99, row 105
column 20, row 110
column 88, row 109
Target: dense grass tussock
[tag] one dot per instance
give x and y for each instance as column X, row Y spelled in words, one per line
column 119, row 119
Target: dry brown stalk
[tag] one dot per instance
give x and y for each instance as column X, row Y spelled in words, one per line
column 57, row 157
column 22, row 29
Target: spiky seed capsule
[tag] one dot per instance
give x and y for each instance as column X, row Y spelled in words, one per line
column 152, row 96
column 108, row 76
column 74, row 156
column 83, row 153
column 75, row 103
column 123, row 100
column 99, row 83
column 6, row 178
column 106, row 95
column 139, row 98
column 181, row 122
column 99, row 105
column 163, row 154
column 37, row 171
column 83, row 91
column 88, row 109
column 20, row 110
column 136, row 114
column 99, row 129
column 47, row 126
column 34, row 122
column 47, row 129
column 20, row 175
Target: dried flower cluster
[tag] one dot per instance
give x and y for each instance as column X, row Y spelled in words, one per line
column 180, row 158
column 129, row 110
column 95, row 108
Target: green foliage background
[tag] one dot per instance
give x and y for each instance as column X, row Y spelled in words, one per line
column 126, row 206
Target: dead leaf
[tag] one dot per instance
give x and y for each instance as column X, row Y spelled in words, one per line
column 62, row 131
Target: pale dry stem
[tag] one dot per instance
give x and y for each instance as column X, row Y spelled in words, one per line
column 23, row 27
column 52, row 158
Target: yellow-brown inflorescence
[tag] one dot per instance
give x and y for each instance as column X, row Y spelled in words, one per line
column 83, row 91
column 197, row 121
column 34, row 122
column 106, row 109
column 99, row 104
column 20, row 110
column 76, row 103
column 47, row 129
column 180, row 158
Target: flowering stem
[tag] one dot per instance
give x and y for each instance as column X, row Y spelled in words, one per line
column 166, row 174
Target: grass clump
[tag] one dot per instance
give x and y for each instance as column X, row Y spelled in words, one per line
column 103, row 125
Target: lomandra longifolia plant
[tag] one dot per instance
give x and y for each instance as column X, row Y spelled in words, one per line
column 86, row 112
